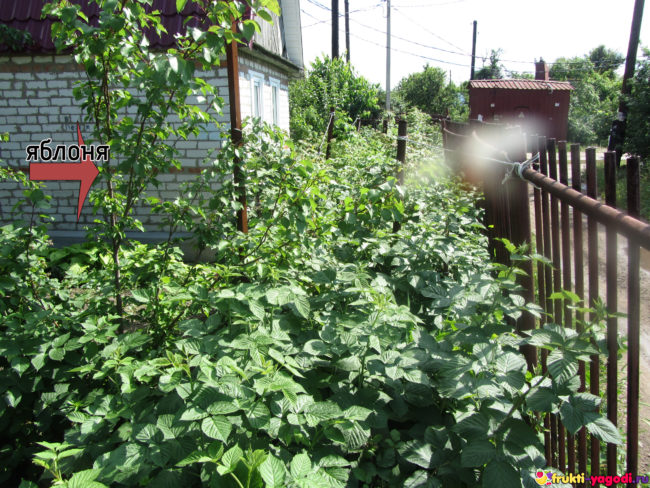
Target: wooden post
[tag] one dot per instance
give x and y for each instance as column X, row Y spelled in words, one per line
column 232, row 62
column 471, row 76
column 401, row 158
column 617, row 134
column 330, row 133
column 401, row 150
column 347, row 29
column 387, row 55
column 335, row 29
column 634, row 322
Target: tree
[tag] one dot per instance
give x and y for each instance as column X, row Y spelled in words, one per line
column 638, row 123
column 571, row 69
column 605, row 60
column 516, row 75
column 429, row 92
column 594, row 100
column 130, row 90
column 492, row 71
column 330, row 83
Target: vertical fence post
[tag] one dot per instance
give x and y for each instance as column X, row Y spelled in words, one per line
column 633, row 318
column 330, row 134
column 566, row 278
column 612, row 308
column 557, row 286
column 489, row 200
column 401, row 158
column 579, row 290
column 592, row 239
column 232, row 62
column 401, row 150
column 550, row 436
column 519, row 207
column 500, row 211
column 539, row 245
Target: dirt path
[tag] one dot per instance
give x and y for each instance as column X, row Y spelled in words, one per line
column 622, row 276
column 644, row 307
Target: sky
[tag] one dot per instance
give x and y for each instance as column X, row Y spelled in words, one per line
column 439, row 32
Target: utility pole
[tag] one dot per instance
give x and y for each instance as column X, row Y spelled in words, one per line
column 387, row 54
column 335, row 29
column 471, row 76
column 347, row 29
column 617, row 134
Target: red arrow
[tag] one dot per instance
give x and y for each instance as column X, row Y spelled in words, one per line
column 85, row 172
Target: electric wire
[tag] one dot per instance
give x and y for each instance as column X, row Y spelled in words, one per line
column 460, row 53
column 421, row 56
column 341, row 15
column 433, row 4
column 407, row 40
column 410, row 19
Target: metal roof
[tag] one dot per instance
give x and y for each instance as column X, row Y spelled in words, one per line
column 521, row 84
column 26, row 15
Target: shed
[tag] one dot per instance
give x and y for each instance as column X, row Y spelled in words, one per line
column 540, row 106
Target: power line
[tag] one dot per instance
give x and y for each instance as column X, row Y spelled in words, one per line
column 318, row 4
column 409, row 40
column 433, row 4
column 459, row 53
column 428, row 30
column 324, row 7
column 340, row 15
column 428, row 58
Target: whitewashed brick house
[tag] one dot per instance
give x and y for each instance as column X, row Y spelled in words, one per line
column 36, row 100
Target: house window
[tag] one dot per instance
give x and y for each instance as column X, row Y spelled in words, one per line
column 257, row 90
column 275, row 100
column 274, row 91
column 257, row 98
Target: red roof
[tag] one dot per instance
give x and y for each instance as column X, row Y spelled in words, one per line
column 521, row 84
column 26, row 15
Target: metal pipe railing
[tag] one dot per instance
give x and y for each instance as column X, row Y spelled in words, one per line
column 629, row 227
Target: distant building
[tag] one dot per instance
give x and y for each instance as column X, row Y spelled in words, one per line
column 539, row 106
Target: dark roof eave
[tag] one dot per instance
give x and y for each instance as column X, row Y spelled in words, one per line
column 286, row 65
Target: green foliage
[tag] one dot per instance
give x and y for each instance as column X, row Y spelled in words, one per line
column 494, row 70
column 594, row 100
column 320, row 349
column 520, row 76
column 130, row 93
column 605, row 60
column 323, row 349
column 330, row 83
column 429, row 92
column 638, row 123
column 14, row 39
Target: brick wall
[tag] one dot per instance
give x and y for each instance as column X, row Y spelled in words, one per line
column 36, row 103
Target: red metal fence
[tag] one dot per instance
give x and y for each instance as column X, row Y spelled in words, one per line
column 558, row 211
